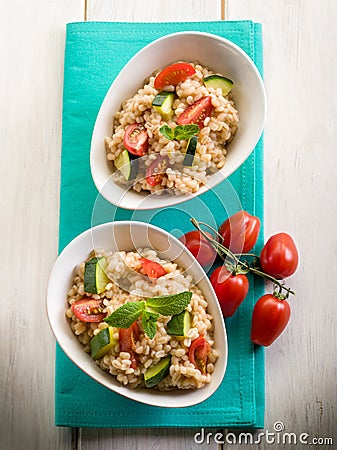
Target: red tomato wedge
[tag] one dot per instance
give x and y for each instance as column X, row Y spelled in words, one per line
column 240, row 232
column 155, row 172
column 198, row 353
column 127, row 342
column 152, row 268
column 88, row 310
column 136, row 139
column 197, row 112
column 173, row 75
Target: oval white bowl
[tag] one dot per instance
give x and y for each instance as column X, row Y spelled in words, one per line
column 126, row 235
column 212, row 51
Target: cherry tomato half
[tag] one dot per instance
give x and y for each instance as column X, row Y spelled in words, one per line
column 127, row 342
column 270, row 317
column 136, row 139
column 88, row 310
column 152, row 268
column 156, row 171
column 200, row 248
column 198, row 353
column 240, row 232
column 173, row 75
column 231, row 290
column 279, row 256
column 197, row 112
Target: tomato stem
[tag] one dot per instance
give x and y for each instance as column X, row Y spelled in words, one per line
column 247, row 254
column 271, row 278
column 235, row 265
column 218, row 247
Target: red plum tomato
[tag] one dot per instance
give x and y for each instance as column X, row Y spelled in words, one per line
column 279, row 256
column 200, row 248
column 230, row 289
column 270, row 316
column 240, row 232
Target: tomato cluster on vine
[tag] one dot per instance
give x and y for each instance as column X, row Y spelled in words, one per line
column 232, row 242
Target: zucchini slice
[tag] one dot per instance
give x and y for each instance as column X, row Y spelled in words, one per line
column 102, row 342
column 190, row 151
column 180, row 324
column 95, row 278
column 217, row 81
column 163, row 104
column 157, row 372
column 127, row 166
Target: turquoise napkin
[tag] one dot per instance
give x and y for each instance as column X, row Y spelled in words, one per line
column 95, row 53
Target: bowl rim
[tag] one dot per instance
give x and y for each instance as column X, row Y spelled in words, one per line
column 158, row 400
column 175, row 199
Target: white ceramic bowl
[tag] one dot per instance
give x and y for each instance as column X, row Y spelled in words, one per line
column 125, row 235
column 212, row 51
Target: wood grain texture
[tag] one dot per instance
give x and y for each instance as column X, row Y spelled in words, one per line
column 300, row 55
column 140, row 439
column 32, row 39
column 154, row 10
column 300, row 188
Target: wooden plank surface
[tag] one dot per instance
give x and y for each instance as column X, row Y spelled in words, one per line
column 300, row 145
column 300, row 55
column 32, row 43
column 153, row 10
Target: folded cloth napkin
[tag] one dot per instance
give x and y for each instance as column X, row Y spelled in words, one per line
column 95, row 53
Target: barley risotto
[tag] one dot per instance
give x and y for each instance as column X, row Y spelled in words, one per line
column 174, row 131
column 143, row 320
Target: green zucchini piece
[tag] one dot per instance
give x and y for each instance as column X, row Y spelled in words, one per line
column 127, row 166
column 163, row 103
column 157, row 372
column 190, row 151
column 180, row 324
column 216, row 81
column 102, row 342
column 95, row 278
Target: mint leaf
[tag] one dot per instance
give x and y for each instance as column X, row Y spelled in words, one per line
column 125, row 315
column 167, row 132
column 182, row 132
column 169, row 305
column 149, row 320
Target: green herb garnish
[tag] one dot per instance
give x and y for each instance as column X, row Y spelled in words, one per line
column 149, row 311
column 180, row 132
column 125, row 315
column 167, row 132
column 149, row 321
column 170, row 305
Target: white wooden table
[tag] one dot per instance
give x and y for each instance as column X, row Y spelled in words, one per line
column 300, row 197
